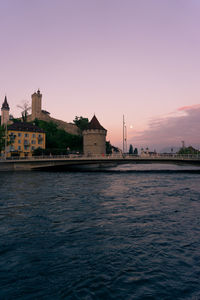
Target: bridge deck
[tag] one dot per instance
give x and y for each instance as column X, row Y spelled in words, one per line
column 124, row 157
column 53, row 162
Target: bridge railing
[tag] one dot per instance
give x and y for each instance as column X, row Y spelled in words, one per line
column 106, row 157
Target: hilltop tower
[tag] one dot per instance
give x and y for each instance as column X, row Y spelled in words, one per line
column 36, row 105
column 5, row 112
column 94, row 138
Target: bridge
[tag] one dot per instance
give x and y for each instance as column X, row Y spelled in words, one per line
column 81, row 162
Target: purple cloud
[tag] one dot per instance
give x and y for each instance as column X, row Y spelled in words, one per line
column 169, row 131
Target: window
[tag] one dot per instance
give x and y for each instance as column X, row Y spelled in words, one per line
column 33, row 135
column 19, row 141
column 12, row 137
column 33, row 142
column 19, row 134
column 33, row 148
column 19, row 147
column 26, row 147
column 26, row 135
column 40, row 139
column 26, row 142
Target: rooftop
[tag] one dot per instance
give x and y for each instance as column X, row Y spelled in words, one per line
column 5, row 104
column 94, row 124
column 23, row 126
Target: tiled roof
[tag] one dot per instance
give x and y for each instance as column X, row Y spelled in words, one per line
column 5, row 104
column 23, row 126
column 94, row 124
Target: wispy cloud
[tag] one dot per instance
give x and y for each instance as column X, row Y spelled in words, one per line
column 169, row 130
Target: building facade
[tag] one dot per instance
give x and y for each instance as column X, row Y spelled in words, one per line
column 94, row 138
column 23, row 139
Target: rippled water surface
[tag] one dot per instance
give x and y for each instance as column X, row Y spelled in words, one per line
column 109, row 235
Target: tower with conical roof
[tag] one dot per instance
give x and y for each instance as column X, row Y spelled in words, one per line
column 5, row 112
column 36, row 105
column 94, row 138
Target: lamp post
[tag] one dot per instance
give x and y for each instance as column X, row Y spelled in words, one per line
column 124, row 136
column 123, row 132
column 125, row 128
column 6, row 140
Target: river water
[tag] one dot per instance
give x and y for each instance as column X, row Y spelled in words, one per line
column 128, row 233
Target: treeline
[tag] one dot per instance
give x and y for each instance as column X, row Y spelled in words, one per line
column 188, row 150
column 58, row 141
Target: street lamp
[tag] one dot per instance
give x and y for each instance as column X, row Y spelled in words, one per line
column 6, row 132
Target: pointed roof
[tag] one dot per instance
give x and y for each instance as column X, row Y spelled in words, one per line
column 94, row 124
column 5, row 104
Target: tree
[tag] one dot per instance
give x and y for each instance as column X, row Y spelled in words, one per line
column 25, row 108
column 135, row 152
column 188, row 150
column 108, row 148
column 58, row 140
column 81, row 122
column 2, row 138
column 130, row 149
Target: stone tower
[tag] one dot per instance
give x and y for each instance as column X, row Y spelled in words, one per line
column 94, row 138
column 36, row 105
column 5, row 112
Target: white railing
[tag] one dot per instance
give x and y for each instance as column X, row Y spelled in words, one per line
column 106, row 157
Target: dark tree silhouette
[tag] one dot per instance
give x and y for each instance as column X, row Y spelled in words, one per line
column 81, row 122
column 130, row 149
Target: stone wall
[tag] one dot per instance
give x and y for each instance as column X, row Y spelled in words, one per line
column 94, row 142
column 68, row 127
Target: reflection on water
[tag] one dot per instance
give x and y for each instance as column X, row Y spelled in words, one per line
column 156, row 167
column 120, row 234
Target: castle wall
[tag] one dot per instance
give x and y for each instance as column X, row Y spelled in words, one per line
column 68, row 127
column 94, row 142
column 41, row 115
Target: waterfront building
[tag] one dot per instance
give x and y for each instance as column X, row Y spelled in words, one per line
column 94, row 138
column 23, row 138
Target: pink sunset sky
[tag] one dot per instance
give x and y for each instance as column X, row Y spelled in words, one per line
column 108, row 57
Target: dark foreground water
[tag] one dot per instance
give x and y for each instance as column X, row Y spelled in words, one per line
column 109, row 235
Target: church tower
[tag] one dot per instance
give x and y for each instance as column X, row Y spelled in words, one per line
column 36, row 105
column 94, row 138
column 5, row 112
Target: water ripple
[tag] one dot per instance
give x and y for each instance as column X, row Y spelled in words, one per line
column 108, row 235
